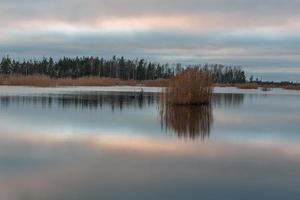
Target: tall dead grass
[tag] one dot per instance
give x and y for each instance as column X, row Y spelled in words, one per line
column 248, row 86
column 191, row 87
column 45, row 81
column 292, row 87
column 156, row 83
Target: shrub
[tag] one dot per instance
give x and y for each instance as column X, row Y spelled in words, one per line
column 190, row 87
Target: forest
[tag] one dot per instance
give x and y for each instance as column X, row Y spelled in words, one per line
column 115, row 67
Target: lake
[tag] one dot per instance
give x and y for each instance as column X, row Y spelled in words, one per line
column 91, row 143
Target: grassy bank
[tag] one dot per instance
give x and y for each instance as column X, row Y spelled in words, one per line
column 45, row 81
column 262, row 86
column 247, row 86
column 292, row 87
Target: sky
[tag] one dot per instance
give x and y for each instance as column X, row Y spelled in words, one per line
column 261, row 36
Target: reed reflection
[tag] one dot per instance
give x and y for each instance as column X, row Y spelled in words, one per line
column 194, row 121
column 187, row 121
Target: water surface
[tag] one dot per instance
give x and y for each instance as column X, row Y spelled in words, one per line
column 118, row 143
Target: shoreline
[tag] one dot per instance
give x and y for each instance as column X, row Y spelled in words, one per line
column 45, row 81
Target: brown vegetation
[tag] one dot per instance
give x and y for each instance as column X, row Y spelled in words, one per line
column 292, row 87
column 155, row 83
column 248, row 86
column 45, row 81
column 223, row 85
column 191, row 87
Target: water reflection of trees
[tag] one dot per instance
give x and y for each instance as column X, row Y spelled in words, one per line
column 187, row 121
column 114, row 100
column 227, row 99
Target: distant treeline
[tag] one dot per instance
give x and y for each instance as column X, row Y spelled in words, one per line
column 116, row 67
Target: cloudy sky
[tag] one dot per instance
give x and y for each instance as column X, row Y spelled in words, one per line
column 263, row 36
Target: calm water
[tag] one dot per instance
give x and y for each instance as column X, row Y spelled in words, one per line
column 117, row 143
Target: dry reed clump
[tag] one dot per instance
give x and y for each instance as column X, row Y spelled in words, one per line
column 191, row 87
column 248, row 86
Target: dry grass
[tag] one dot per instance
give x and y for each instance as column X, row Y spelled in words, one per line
column 34, row 80
column 187, row 81
column 292, row 87
column 155, row 83
column 248, row 86
column 45, row 81
column 224, row 85
column 191, row 87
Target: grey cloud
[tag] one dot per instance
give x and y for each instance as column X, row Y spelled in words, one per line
column 167, row 45
column 253, row 11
